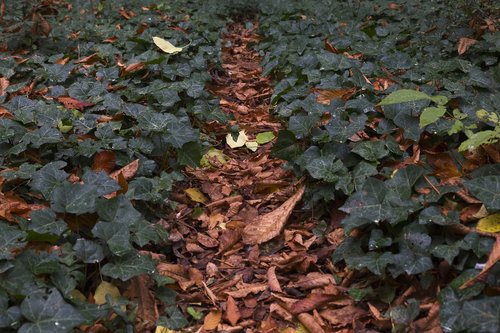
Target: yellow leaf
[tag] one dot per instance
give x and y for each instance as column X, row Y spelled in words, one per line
column 196, row 195
column 490, row 223
column 103, row 289
column 166, row 46
column 213, row 156
column 240, row 142
column 162, row 329
column 252, row 145
column 77, row 294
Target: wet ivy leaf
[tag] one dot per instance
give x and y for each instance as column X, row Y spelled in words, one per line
column 116, row 235
column 302, row 125
column 22, row 108
column 404, row 315
column 58, row 73
column 326, row 168
column 486, row 189
column 173, row 319
column 74, row 198
column 103, row 183
column 433, row 214
column 286, row 146
column 483, row 315
column 180, row 133
column 88, row 251
column 11, row 238
column 447, row 252
column 49, row 314
column 49, row 177
column 371, row 150
column 375, row 262
column 129, row 266
column 44, row 221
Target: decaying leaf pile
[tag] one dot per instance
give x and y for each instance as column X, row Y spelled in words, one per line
column 249, row 166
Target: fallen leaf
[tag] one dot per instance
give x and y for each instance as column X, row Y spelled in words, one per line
column 252, row 145
column 147, row 311
column 464, row 43
column 166, row 46
column 264, row 137
column 268, row 226
column 492, row 260
column 72, row 103
column 325, row 96
column 490, row 223
column 105, row 161
column 244, row 289
column 103, row 289
column 4, row 84
column 272, row 280
column 240, row 141
column 310, row 323
column 232, row 311
column 128, row 171
column 196, row 195
column 313, row 280
column 212, row 320
column 162, row 329
column 311, row 302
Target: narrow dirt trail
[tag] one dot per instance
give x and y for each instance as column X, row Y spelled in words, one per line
column 249, row 198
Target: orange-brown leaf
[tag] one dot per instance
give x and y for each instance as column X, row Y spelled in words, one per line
column 128, row 171
column 232, row 312
column 464, row 44
column 492, row 260
column 268, row 226
column 212, row 320
column 4, row 83
column 72, row 103
column 325, row 96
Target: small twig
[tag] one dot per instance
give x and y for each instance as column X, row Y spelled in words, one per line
column 432, row 185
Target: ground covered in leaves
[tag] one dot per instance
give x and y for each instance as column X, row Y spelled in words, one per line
column 249, row 166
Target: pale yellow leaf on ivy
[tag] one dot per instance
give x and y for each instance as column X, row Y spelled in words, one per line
column 196, row 195
column 163, row 329
column 103, row 289
column 252, row 145
column 166, row 46
column 213, row 156
column 490, row 223
column 240, row 141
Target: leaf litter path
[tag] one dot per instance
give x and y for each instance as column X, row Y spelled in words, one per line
column 235, row 260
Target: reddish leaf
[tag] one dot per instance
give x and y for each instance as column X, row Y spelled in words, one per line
column 464, row 43
column 105, row 161
column 128, row 171
column 325, row 96
column 72, row 103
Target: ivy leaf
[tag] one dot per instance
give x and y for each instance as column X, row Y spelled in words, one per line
column 10, row 240
column 375, row 262
column 286, row 146
column 483, row 315
column 44, row 221
column 48, row 178
column 49, row 314
column 103, row 183
column 174, row 319
column 180, row 132
column 74, row 198
column 302, row 125
column 403, row 96
column 486, row 189
column 116, row 235
column 88, row 251
column 368, row 202
column 129, row 266
column 371, row 150
column 326, row 168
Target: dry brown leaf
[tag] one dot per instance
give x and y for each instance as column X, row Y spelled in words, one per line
column 343, row 316
column 72, row 103
column 128, row 171
column 232, row 311
column 310, row 323
column 272, row 280
column 313, row 280
column 311, row 302
column 147, row 311
column 212, row 320
column 464, row 43
column 268, row 226
column 105, row 161
column 4, row 84
column 325, row 96
column 244, row 289
column 492, row 260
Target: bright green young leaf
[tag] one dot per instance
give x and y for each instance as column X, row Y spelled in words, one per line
column 480, row 138
column 431, row 115
column 403, row 96
column 264, row 137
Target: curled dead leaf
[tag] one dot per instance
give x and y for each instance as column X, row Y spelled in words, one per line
column 268, row 226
